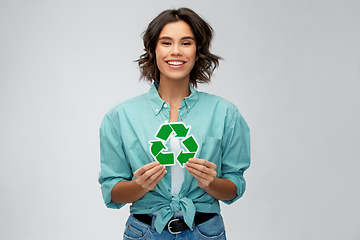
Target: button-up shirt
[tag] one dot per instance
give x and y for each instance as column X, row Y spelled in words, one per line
column 218, row 127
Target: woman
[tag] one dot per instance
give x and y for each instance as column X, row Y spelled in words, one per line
column 201, row 140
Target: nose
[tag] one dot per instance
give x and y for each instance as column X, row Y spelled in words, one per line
column 176, row 50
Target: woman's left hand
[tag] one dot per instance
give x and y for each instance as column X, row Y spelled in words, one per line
column 203, row 170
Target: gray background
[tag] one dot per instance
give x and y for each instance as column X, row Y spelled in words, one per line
column 292, row 68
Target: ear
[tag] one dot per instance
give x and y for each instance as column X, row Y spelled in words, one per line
column 197, row 58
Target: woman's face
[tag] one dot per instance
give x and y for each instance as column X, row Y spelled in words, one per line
column 176, row 51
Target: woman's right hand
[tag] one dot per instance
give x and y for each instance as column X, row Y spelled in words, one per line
column 149, row 175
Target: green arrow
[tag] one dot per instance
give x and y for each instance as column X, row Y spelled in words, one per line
column 190, row 144
column 156, row 147
column 164, row 132
column 184, row 157
column 165, row 158
column 180, row 129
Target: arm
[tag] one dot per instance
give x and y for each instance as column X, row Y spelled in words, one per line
column 117, row 181
column 235, row 159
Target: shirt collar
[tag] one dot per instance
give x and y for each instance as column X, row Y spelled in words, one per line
column 157, row 104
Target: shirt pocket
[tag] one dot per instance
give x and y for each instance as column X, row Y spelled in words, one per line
column 211, row 151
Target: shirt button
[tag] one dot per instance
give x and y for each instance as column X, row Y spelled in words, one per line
column 166, row 121
column 165, row 105
column 189, row 106
column 156, row 110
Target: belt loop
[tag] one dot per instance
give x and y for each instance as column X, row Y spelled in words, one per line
column 152, row 222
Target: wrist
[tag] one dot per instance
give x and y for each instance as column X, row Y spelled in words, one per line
column 140, row 187
column 210, row 186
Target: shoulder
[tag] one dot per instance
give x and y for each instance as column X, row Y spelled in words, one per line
column 131, row 103
column 219, row 102
column 221, row 108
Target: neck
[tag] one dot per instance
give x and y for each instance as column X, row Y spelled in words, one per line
column 173, row 92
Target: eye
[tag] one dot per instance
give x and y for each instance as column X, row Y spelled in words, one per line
column 186, row 43
column 166, row 43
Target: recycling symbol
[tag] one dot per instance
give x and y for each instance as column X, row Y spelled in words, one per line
column 158, row 147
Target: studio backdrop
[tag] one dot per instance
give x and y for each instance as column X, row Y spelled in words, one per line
column 291, row 67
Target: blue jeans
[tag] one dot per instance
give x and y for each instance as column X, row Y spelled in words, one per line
column 211, row 229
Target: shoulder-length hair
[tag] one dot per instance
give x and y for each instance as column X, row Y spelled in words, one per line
column 203, row 32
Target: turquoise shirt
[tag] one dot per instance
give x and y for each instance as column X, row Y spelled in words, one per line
column 218, row 127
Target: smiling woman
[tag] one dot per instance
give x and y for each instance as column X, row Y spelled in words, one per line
column 176, row 52
column 201, row 34
column 180, row 200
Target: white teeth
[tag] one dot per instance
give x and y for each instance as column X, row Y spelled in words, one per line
column 175, row 63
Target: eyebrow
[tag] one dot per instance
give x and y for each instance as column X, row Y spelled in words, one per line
column 169, row 38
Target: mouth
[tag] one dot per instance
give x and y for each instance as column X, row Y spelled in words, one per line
column 175, row 63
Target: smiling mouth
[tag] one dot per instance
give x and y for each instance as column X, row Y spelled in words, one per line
column 175, row 63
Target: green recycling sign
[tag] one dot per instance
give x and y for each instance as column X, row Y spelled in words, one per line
column 158, row 147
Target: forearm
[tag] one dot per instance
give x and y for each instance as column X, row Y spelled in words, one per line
column 127, row 192
column 222, row 189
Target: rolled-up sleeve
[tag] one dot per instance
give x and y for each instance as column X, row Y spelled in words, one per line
column 114, row 165
column 236, row 153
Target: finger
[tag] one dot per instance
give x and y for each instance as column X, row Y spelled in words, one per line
column 156, row 172
column 145, row 168
column 194, row 173
column 202, row 169
column 141, row 179
column 149, row 176
column 198, row 174
column 149, row 173
column 201, row 181
column 203, row 162
column 157, row 177
column 150, row 183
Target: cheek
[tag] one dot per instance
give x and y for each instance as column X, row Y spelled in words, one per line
column 157, row 58
column 192, row 54
column 158, row 62
column 158, row 55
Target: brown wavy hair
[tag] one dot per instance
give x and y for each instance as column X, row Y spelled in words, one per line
column 203, row 32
